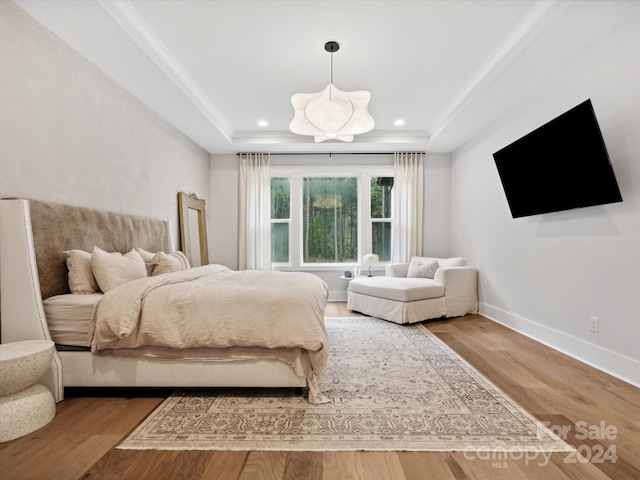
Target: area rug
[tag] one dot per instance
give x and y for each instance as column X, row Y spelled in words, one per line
column 393, row 387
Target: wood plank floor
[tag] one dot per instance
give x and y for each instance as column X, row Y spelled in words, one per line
column 574, row 398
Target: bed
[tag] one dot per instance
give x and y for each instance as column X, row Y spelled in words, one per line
column 34, row 282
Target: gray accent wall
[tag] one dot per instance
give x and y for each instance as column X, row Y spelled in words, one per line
column 70, row 134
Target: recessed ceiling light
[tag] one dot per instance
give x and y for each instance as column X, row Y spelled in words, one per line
column 263, row 123
column 398, row 122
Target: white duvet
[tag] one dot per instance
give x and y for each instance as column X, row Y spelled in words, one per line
column 205, row 310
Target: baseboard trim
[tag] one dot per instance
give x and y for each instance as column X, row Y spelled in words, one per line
column 608, row 361
column 337, row 296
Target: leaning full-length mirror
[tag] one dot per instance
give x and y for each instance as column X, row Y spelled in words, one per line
column 193, row 229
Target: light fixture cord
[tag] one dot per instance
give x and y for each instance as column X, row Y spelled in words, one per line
column 331, row 79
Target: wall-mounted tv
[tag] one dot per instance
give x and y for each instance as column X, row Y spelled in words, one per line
column 561, row 165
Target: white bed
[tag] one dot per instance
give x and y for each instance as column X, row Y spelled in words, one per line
column 33, row 235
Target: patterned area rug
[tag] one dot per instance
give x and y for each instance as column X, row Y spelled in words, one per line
column 392, row 387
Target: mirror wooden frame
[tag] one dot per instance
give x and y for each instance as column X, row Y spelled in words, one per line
column 193, row 229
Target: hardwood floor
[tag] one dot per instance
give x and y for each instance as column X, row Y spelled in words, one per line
column 79, row 443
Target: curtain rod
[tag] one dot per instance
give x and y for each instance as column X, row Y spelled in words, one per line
column 327, row 153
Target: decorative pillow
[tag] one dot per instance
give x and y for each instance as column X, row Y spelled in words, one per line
column 113, row 269
column 424, row 259
column 169, row 262
column 81, row 279
column 418, row 269
column 149, row 259
column 453, row 262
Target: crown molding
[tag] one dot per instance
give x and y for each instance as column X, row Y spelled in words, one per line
column 376, row 136
column 517, row 39
column 127, row 17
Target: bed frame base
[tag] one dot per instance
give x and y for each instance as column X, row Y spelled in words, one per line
column 83, row 369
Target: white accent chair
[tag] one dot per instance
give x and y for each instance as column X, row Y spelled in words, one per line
column 399, row 298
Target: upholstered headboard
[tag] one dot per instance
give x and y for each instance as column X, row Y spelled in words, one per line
column 58, row 227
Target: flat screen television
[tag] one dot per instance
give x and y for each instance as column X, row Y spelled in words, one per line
column 561, row 165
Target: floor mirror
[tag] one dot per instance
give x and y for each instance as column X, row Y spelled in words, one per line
column 193, row 229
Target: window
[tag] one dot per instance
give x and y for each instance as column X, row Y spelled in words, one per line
column 280, row 219
column 322, row 220
column 329, row 219
column 381, row 217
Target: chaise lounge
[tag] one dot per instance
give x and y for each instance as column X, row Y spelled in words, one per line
column 426, row 288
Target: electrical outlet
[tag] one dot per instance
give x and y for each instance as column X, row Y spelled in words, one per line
column 594, row 324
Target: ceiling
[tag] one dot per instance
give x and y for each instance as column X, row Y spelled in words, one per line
column 449, row 69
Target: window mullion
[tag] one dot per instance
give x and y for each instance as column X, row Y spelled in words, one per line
column 364, row 201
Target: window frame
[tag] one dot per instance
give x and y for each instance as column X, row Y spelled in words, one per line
column 282, row 220
column 363, row 173
column 388, row 220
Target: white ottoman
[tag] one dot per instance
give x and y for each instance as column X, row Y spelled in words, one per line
column 25, row 405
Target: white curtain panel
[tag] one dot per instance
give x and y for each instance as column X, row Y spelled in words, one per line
column 254, row 252
column 407, row 206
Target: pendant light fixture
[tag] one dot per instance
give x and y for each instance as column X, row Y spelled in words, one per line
column 331, row 114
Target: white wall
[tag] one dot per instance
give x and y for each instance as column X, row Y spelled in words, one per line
column 70, row 134
column 223, row 229
column 223, row 211
column 436, row 236
column 546, row 275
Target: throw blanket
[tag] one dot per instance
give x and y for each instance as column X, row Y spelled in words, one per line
column 212, row 307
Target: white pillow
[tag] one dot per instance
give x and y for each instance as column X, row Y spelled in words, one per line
column 169, row 262
column 149, row 259
column 443, row 262
column 419, row 269
column 81, row 279
column 423, row 259
column 114, row 269
column 453, row 262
